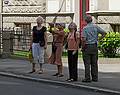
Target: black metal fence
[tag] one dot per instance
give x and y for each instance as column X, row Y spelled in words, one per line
column 15, row 42
column 19, row 42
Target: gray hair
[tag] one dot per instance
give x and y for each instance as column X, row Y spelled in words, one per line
column 40, row 18
column 88, row 18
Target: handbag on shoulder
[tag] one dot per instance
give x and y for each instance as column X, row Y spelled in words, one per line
column 42, row 43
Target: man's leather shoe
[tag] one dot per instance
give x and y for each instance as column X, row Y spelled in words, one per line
column 86, row 80
column 94, row 80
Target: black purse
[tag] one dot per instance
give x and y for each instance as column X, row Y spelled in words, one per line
column 42, row 43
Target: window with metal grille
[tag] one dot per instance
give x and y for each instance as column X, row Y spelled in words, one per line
column 115, row 27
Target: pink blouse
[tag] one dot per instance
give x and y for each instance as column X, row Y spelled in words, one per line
column 72, row 43
column 59, row 38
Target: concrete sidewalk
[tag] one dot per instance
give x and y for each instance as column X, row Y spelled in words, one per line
column 109, row 74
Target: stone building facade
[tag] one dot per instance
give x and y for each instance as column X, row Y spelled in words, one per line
column 36, row 6
column 24, row 23
column 109, row 23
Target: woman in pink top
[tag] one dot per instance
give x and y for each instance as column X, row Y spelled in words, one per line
column 56, row 56
column 73, row 40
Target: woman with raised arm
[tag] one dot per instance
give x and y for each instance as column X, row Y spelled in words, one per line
column 57, row 47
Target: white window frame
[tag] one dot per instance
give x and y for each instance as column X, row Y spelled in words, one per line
column 53, row 7
column 114, row 4
column 93, row 5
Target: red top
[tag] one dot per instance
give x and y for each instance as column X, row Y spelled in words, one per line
column 72, row 42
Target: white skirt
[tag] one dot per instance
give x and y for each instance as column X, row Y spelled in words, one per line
column 38, row 53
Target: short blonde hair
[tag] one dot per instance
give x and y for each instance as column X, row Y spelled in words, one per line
column 39, row 18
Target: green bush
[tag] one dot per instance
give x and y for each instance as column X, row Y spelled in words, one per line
column 110, row 44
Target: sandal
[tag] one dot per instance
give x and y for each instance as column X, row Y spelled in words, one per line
column 40, row 72
column 60, row 75
column 67, row 79
column 71, row 80
column 31, row 71
column 56, row 74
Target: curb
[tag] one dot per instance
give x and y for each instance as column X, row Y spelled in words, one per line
column 95, row 89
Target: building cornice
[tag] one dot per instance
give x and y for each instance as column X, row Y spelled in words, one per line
column 61, row 14
column 104, row 13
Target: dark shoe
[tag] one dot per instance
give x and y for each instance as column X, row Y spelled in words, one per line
column 60, row 75
column 67, row 79
column 94, row 80
column 71, row 80
column 31, row 71
column 86, row 80
column 56, row 74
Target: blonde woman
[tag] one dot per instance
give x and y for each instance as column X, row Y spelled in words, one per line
column 38, row 44
column 73, row 41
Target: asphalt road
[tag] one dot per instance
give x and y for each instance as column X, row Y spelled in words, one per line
column 13, row 86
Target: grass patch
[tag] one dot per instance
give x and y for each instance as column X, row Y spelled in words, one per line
column 64, row 54
column 20, row 53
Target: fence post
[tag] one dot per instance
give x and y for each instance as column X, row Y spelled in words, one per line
column 11, row 42
column 7, row 43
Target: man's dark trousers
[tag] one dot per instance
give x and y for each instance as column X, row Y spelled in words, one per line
column 90, row 58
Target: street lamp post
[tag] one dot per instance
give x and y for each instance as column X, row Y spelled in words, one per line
column 5, row 3
column 1, row 25
column 1, row 21
column 1, row 16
